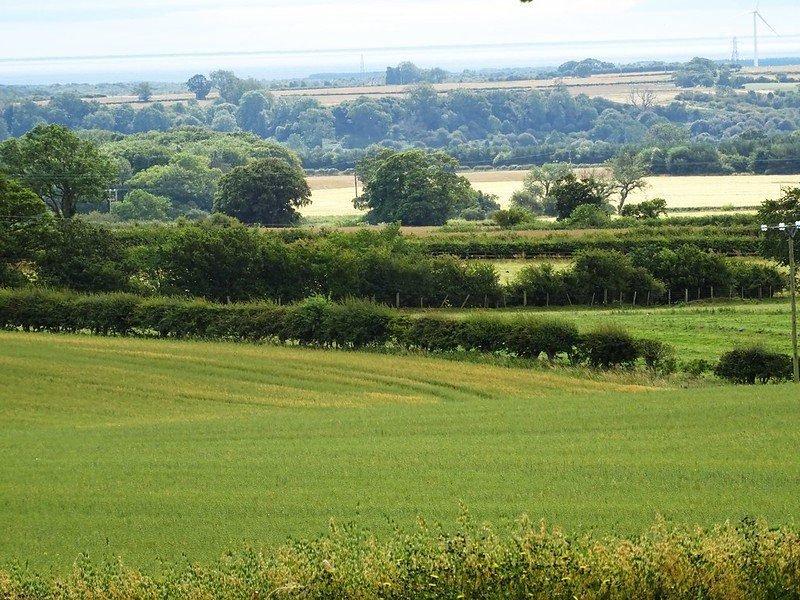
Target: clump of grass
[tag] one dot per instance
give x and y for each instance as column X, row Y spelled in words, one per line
column 743, row 560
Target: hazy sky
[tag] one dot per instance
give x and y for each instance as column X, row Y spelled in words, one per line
column 559, row 29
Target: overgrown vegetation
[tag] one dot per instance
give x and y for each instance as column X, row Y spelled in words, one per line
column 734, row 560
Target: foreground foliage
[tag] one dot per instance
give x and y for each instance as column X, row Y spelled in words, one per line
column 745, row 560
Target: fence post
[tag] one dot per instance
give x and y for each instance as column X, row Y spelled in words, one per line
column 686, row 290
column 759, row 293
column 620, row 298
column 420, row 301
column 524, row 297
column 397, row 300
column 464, row 303
column 634, row 298
column 547, row 300
column 712, row 292
column 569, row 300
column 592, row 303
column 605, row 296
column 485, row 301
column 648, row 298
column 669, row 296
column 730, row 293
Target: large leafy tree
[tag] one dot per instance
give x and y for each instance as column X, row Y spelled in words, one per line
column 628, row 170
column 265, row 191
column 412, row 187
column 59, row 167
column 571, row 192
column 199, row 85
column 786, row 209
column 187, row 180
column 24, row 219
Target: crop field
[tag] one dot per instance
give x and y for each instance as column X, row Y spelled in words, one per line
column 150, row 449
column 333, row 195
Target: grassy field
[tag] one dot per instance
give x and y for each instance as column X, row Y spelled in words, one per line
column 152, row 449
column 697, row 330
column 332, row 195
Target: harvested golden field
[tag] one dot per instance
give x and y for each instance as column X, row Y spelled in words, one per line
column 332, row 195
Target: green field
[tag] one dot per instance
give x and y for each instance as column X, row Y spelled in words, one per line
column 153, row 449
column 697, row 330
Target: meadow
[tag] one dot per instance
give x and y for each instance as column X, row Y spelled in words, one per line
column 151, row 450
column 333, row 195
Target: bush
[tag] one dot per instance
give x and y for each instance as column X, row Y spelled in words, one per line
column 658, row 356
column 483, row 333
column 749, row 364
column 357, row 323
column 609, row 346
column 512, row 216
column 429, row 333
column 305, row 322
column 530, row 337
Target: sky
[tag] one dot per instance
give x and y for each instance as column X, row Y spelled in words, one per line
column 126, row 40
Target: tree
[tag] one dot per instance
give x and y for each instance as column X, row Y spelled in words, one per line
column 265, row 191
column 413, row 187
column 628, row 169
column 187, row 180
column 59, row 167
column 23, row 218
column 143, row 91
column 571, row 192
column 786, row 209
column 139, row 205
column 646, row 209
column 199, row 85
column 540, row 180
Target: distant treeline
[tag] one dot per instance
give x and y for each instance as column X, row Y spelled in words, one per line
column 699, row 133
column 222, row 260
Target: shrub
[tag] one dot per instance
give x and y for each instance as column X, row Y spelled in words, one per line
column 530, row 337
column 483, row 333
column 429, row 333
column 749, row 364
column 658, row 356
column 609, row 346
column 512, row 216
column 697, row 366
column 305, row 322
column 357, row 323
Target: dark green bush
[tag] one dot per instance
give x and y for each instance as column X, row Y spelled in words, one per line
column 658, row 356
column 430, row 333
column 749, row 364
column 357, row 323
column 609, row 346
column 304, row 322
column 530, row 337
column 483, row 333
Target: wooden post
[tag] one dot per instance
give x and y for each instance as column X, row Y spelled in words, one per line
column 397, row 300
column 686, row 295
column 669, row 296
column 620, row 298
column 712, row 292
column 547, row 300
column 592, row 304
column 648, row 298
column 524, row 297
column 569, row 300
column 485, row 301
column 759, row 293
column 464, row 303
column 420, row 301
column 634, row 298
column 605, row 296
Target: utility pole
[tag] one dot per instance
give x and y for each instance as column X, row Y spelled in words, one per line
column 792, row 231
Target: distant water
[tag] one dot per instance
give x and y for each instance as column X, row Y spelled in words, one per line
column 277, row 64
